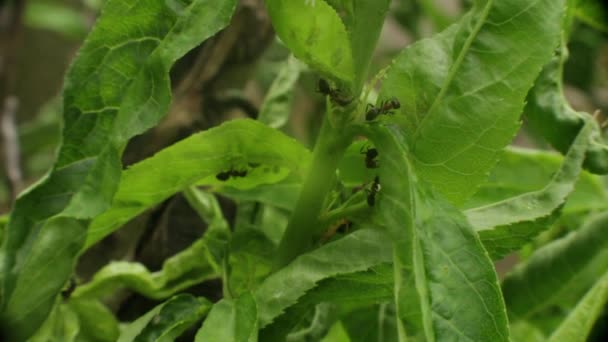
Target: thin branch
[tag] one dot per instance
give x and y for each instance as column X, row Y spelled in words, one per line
column 10, row 139
column 11, row 17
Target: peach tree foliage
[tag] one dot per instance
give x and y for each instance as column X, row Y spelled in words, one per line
column 447, row 197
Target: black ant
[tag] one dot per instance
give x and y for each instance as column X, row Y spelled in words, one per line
column 224, row 175
column 375, row 188
column 385, row 107
column 370, row 157
column 324, row 88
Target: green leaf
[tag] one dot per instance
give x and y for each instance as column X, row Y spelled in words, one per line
column 317, row 326
column 56, row 17
column 436, row 252
column 555, row 271
column 508, row 225
column 577, row 326
column 352, row 169
column 523, row 331
column 355, row 252
column 283, row 194
column 348, row 290
column 357, row 324
column 167, row 321
column 337, row 333
column 61, row 325
column 58, row 241
column 231, row 320
column 549, row 114
column 130, row 331
column 538, row 166
column 117, row 87
column 197, row 263
column 96, row 321
column 276, row 107
column 463, row 90
column 208, row 209
column 197, row 160
column 364, row 21
column 593, row 12
column 316, row 35
column 185, row 269
column 251, row 260
column 364, row 28
column 3, row 223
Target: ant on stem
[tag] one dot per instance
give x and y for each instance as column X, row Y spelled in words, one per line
column 375, row 188
column 335, row 95
column 385, row 107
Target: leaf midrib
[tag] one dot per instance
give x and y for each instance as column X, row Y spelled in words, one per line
column 456, row 66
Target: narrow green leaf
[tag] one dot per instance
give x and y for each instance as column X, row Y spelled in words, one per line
column 577, row 326
column 62, row 325
column 130, row 331
column 318, row 326
column 554, row 271
column 364, row 28
column 364, row 21
column 524, row 331
column 187, row 268
column 355, row 252
column 35, row 291
column 56, row 17
column 231, row 320
column 508, row 225
column 538, row 166
column 462, row 91
column 384, row 326
column 167, row 321
column 315, row 34
column 436, row 252
column 337, row 333
column 3, row 223
column 349, row 290
column 594, row 13
column 283, row 194
column 208, row 209
column 117, row 87
column 276, row 107
column 250, row 261
column 96, row 321
column 197, row 263
column 548, row 113
column 198, row 159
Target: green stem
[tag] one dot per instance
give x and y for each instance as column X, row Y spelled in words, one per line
column 348, row 211
column 305, row 224
column 208, row 209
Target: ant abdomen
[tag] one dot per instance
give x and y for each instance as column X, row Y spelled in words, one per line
column 370, row 157
column 373, row 191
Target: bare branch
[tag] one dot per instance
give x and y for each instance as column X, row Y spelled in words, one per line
column 10, row 139
column 11, row 16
